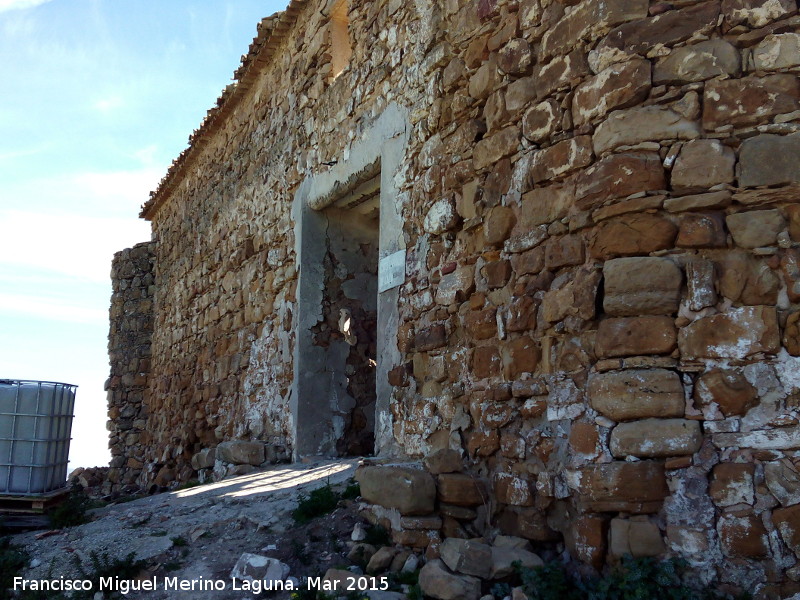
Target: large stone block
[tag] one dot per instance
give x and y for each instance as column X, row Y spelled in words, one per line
column 698, row 62
column 728, row 390
column 494, row 147
column 637, row 536
column 747, row 280
column 775, row 52
column 756, row 228
column 619, row 175
column 589, row 19
column 239, row 452
column 769, row 159
column 749, row 100
column 702, row 230
column 561, row 158
column 641, row 286
column 456, row 286
column 637, row 394
column 623, row 486
column 461, row 490
column 732, row 483
column 618, row 86
column 467, row 557
column 634, row 336
column 585, row 537
column 631, row 235
column 410, row 491
column 783, row 481
column 787, row 522
column 541, row 121
column 702, row 164
column 643, row 124
column 437, row 582
column 743, row 536
column 656, row 438
column 543, row 206
column 739, row 333
column 559, row 73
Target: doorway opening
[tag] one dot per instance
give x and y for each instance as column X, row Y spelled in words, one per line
column 350, row 316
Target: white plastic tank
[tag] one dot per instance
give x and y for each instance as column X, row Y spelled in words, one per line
column 35, row 428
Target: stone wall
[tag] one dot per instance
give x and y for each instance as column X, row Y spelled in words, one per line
column 600, row 310
column 129, row 340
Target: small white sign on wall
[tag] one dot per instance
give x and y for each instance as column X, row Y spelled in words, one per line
column 391, row 271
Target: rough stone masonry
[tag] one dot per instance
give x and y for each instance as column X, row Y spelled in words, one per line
column 592, row 332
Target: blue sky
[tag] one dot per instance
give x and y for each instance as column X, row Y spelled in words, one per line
column 96, row 99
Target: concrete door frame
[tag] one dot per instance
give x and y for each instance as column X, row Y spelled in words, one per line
column 383, row 147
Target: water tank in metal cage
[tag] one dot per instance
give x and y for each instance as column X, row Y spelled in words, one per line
column 35, row 427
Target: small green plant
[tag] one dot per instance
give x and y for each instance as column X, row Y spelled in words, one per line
column 632, row 579
column 189, row 484
column 377, row 535
column 300, row 553
column 12, row 561
column 72, row 511
column 404, row 578
column 317, row 503
column 352, row 491
column 102, row 566
column 414, row 592
column 173, row 565
column 179, row 541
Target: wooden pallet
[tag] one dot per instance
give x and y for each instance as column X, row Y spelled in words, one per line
column 38, row 504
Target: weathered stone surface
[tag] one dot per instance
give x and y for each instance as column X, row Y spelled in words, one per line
column 561, row 158
column 410, row 491
column 637, row 394
column 791, row 334
column 241, row 452
column 437, row 582
column 775, row 52
column 739, row 333
column 461, row 490
column 498, row 224
column 743, row 536
column 641, row 286
column 637, row 537
column 746, row 279
column 634, row 336
column 756, row 228
column 559, row 73
column 485, row 80
column 631, row 235
column 698, row 62
column 632, row 486
column 520, row 355
column 543, row 205
column 756, row 13
column 700, row 284
column 445, row 460
column 576, row 297
column 585, row 18
column 585, row 538
column 541, row 121
column 503, row 559
column 619, row 175
column 515, row 57
column 618, row 86
column 441, row 217
column 204, row 459
column 430, row 338
column 702, row 164
column 771, row 439
column 643, row 124
column 494, row 147
column 783, row 481
column 456, row 286
column 769, row 159
column 513, row 490
column 528, row 523
column 467, row 557
column 655, row 438
column 674, row 26
column 732, row 483
column 252, row 567
column 699, row 230
column 486, row 362
column 746, row 101
column 710, row 201
column 381, row 560
column 481, row 324
column 728, row 389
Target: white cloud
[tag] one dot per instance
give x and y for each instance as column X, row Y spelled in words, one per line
column 6, row 5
